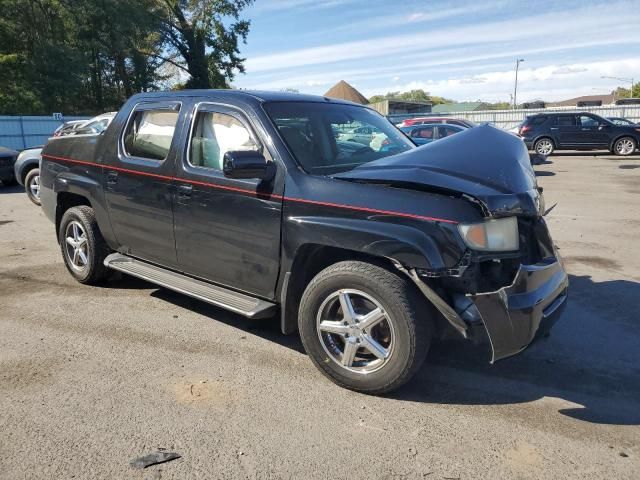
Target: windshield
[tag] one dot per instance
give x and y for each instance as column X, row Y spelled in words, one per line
column 329, row 138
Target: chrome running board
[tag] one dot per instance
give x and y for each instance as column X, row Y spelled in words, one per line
column 221, row 297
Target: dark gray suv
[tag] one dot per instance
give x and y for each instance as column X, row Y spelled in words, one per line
column 546, row 132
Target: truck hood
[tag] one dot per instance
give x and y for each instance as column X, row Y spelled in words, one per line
column 484, row 162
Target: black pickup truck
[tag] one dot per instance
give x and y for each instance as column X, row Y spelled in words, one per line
column 251, row 202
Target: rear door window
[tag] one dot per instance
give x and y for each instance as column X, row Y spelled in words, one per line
column 426, row 132
column 150, row 133
column 566, row 120
column 537, row 121
column 446, row 131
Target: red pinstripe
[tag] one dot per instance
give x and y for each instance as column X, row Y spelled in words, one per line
column 254, row 193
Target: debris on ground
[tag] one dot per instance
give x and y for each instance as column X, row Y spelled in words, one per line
column 153, row 459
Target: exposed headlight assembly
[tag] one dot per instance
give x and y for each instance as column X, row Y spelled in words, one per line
column 499, row 235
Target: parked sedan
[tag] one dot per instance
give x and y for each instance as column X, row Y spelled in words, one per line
column 27, row 165
column 547, row 132
column 461, row 122
column 361, row 135
column 95, row 125
column 423, row 134
column 67, row 127
column 625, row 122
column 7, row 159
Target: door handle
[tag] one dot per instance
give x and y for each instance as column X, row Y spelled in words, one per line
column 112, row 177
column 184, row 191
column 586, row 129
column 553, row 128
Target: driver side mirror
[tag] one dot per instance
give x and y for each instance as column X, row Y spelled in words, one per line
column 246, row 164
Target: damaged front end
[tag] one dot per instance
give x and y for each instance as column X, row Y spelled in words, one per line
column 507, row 300
column 507, row 293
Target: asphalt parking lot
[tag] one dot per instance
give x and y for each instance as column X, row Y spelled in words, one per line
column 91, row 378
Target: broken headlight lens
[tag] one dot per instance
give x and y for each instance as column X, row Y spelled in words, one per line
column 499, row 235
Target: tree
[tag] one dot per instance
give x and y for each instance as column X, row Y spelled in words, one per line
column 622, row 92
column 417, row 95
column 89, row 56
column 205, row 35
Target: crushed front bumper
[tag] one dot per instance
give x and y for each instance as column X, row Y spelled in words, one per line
column 515, row 315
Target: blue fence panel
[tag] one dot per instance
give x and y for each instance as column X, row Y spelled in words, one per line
column 20, row 132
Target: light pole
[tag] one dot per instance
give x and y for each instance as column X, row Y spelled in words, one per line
column 623, row 79
column 515, row 88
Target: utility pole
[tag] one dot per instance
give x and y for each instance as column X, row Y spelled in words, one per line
column 623, row 79
column 515, row 88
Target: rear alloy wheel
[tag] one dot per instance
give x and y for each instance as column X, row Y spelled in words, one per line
column 32, row 185
column 624, row 146
column 366, row 328
column 82, row 245
column 544, row 146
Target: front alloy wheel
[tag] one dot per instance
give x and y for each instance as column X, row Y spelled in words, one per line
column 354, row 331
column 364, row 326
column 624, row 146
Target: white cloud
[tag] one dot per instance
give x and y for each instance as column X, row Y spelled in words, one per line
column 553, row 28
column 283, row 5
column 568, row 70
column 533, row 83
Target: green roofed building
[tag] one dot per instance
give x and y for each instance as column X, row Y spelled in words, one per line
column 457, row 107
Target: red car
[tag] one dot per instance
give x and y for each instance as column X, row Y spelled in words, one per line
column 461, row 122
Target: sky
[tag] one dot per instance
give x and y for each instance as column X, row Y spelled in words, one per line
column 465, row 50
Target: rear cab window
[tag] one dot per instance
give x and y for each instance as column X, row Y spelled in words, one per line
column 150, row 132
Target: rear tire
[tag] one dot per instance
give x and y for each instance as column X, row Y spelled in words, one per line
column 624, row 146
column 544, row 146
column 32, row 185
column 83, row 248
column 381, row 343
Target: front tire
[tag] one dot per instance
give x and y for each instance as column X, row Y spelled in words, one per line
column 624, row 146
column 32, row 185
column 83, row 248
column 544, row 146
column 364, row 327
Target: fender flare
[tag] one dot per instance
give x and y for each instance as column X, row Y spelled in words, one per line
column 92, row 191
column 68, row 182
column 399, row 245
column 406, row 244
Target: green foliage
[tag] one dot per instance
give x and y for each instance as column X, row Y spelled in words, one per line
column 417, row 95
column 204, row 34
column 89, row 56
column 622, row 92
column 496, row 106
